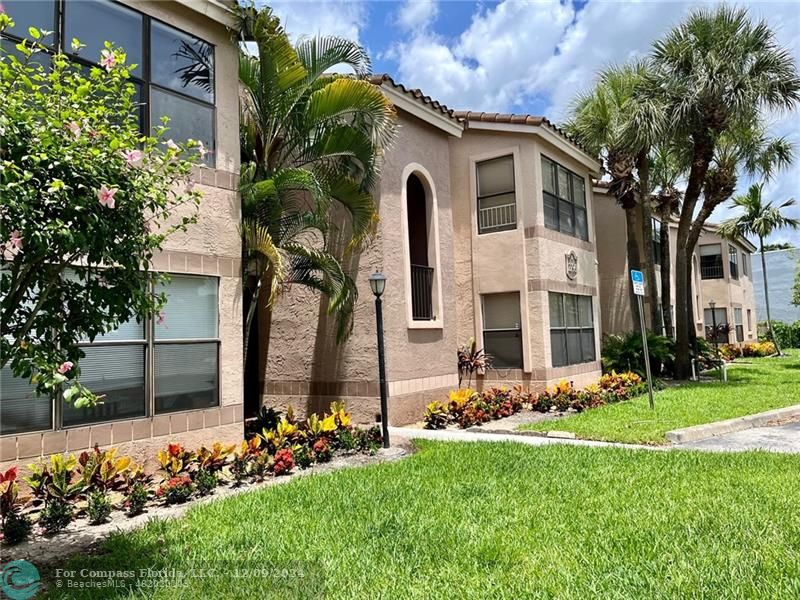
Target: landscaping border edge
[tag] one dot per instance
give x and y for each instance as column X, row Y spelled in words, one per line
column 707, row 430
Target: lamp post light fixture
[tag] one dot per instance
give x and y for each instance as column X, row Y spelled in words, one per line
column 377, row 283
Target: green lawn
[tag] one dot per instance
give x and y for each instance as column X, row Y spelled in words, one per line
column 754, row 385
column 495, row 520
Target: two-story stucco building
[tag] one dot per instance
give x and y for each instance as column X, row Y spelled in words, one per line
column 722, row 276
column 180, row 377
column 486, row 231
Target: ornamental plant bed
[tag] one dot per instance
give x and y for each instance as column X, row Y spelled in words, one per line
column 81, row 493
column 467, row 408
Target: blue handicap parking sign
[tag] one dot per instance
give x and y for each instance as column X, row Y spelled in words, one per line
column 637, row 276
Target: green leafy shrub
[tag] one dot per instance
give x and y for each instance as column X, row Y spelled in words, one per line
column 625, row 353
column 205, row 481
column 787, row 334
column 16, row 528
column 99, row 508
column 56, row 515
column 436, row 416
column 136, row 499
column 303, row 457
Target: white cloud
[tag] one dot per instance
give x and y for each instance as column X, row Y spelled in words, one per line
column 331, row 17
column 417, row 14
column 488, row 65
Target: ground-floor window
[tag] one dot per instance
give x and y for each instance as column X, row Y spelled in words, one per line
column 142, row 368
column 749, row 320
column 737, row 319
column 502, row 331
column 716, row 318
column 571, row 329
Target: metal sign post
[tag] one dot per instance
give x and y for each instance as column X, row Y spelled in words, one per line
column 637, row 278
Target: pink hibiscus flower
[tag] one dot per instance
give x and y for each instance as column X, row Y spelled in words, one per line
column 171, row 144
column 106, row 196
column 16, row 240
column 132, row 157
column 65, row 367
column 107, row 59
column 161, row 318
column 74, row 129
column 202, row 150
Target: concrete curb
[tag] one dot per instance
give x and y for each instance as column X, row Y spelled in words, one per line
column 701, row 432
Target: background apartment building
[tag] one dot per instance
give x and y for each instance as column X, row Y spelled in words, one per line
column 486, row 231
column 722, row 275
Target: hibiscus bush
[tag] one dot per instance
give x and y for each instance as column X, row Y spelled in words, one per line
column 87, row 201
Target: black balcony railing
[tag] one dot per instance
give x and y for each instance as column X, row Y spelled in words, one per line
column 421, row 293
column 711, row 267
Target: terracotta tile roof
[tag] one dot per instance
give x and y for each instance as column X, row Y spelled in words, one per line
column 415, row 93
column 512, row 119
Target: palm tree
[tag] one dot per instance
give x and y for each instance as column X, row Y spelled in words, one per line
column 310, row 145
column 761, row 219
column 714, row 72
column 667, row 168
column 601, row 120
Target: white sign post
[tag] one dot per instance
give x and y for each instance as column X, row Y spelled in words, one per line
column 637, row 278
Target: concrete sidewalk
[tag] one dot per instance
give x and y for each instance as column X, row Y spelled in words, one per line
column 459, row 435
column 778, row 438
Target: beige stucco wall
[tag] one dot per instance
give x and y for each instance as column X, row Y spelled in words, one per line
column 308, row 369
column 210, row 247
column 530, row 259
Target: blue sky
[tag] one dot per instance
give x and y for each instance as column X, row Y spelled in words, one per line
column 524, row 57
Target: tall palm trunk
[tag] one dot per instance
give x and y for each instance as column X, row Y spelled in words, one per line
column 647, row 242
column 634, row 263
column 766, row 296
column 703, row 153
column 666, row 265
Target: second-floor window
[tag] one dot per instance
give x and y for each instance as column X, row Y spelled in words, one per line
column 745, row 265
column 174, row 76
column 497, row 204
column 733, row 262
column 564, row 200
column 711, row 261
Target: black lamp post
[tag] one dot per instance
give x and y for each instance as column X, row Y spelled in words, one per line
column 713, row 304
column 377, row 282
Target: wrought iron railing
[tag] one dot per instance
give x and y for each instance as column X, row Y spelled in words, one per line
column 497, row 218
column 421, row 293
column 711, row 267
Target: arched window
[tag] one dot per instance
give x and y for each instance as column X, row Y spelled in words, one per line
column 421, row 246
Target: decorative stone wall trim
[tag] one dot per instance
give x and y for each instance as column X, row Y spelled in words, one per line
column 540, row 375
column 322, row 388
column 421, row 384
column 32, row 445
column 707, row 430
column 567, row 287
column 539, row 231
column 218, row 178
column 172, row 261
